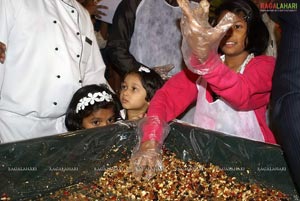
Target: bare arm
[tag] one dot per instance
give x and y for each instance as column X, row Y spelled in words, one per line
column 2, row 52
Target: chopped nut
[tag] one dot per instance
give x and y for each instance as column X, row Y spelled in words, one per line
column 179, row 180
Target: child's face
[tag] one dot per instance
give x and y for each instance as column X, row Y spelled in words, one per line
column 233, row 43
column 133, row 94
column 101, row 117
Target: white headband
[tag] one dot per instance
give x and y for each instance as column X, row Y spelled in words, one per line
column 144, row 69
column 92, row 98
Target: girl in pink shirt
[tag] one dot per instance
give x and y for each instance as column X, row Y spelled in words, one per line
column 232, row 89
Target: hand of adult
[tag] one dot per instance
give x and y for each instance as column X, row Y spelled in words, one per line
column 95, row 8
column 2, row 52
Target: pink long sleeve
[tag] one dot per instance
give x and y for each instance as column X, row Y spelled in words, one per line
column 248, row 91
column 171, row 100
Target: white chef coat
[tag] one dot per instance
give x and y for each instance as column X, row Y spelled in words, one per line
column 51, row 52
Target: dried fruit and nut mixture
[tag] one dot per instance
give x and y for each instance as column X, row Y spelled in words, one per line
column 179, row 180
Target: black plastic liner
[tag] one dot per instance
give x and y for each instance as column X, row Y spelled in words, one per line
column 34, row 168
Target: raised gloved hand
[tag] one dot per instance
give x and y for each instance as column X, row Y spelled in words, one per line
column 200, row 39
column 146, row 157
column 2, row 52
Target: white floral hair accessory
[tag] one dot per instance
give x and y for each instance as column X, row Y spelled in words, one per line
column 92, row 98
column 144, row 69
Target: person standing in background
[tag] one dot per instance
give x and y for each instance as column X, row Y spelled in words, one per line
column 272, row 26
column 147, row 33
column 101, row 15
column 51, row 51
column 285, row 96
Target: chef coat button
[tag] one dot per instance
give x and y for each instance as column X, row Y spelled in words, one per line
column 54, row 103
column 54, row 21
column 77, row 33
column 58, row 76
column 78, row 55
column 80, row 81
column 72, row 11
column 56, row 48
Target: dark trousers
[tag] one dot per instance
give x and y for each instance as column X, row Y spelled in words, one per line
column 285, row 98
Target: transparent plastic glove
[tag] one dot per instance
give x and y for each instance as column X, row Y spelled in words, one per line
column 164, row 70
column 200, row 39
column 2, row 52
column 146, row 157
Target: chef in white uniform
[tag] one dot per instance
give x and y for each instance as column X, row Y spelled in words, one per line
column 51, row 51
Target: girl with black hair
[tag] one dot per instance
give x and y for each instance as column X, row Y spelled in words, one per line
column 137, row 89
column 232, row 89
column 92, row 106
